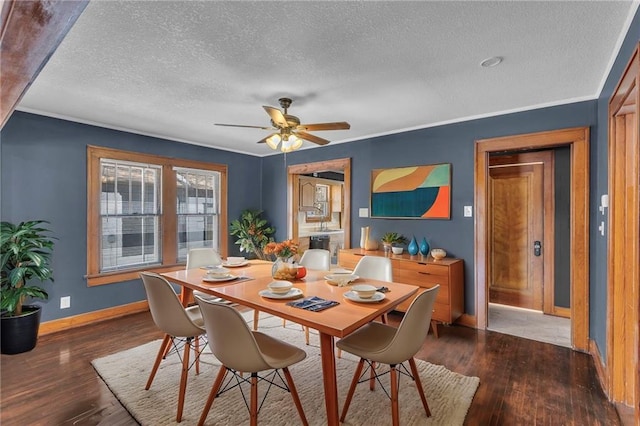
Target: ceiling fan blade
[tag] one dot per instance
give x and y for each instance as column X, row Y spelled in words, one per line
column 340, row 125
column 276, row 116
column 264, row 140
column 242, row 125
column 311, row 138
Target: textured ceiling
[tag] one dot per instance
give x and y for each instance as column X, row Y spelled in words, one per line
column 174, row 68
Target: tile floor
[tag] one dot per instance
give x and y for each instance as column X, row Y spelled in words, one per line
column 530, row 324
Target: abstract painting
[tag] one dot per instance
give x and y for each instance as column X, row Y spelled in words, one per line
column 417, row 192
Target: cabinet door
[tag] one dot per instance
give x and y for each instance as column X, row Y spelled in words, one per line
column 307, row 193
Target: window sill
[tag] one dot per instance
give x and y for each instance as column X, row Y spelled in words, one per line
column 128, row 275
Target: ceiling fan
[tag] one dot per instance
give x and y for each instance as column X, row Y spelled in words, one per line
column 289, row 131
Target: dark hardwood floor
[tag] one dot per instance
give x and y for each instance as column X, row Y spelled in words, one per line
column 522, row 382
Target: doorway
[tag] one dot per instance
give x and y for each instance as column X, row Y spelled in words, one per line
column 528, row 194
column 343, row 166
column 577, row 140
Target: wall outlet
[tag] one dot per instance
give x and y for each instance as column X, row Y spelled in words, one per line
column 65, row 302
column 468, row 211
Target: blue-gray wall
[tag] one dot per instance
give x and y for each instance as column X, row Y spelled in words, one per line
column 599, row 182
column 44, row 176
column 454, row 143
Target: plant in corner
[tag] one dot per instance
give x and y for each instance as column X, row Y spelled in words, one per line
column 25, row 253
column 253, row 233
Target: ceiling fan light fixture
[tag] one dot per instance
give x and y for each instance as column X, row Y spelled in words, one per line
column 273, row 141
column 297, row 142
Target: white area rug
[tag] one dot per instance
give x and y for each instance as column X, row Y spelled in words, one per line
column 449, row 394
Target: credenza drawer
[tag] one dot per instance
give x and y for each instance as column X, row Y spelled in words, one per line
column 419, row 278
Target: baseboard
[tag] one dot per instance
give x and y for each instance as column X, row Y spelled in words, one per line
column 467, row 320
column 600, row 367
column 67, row 323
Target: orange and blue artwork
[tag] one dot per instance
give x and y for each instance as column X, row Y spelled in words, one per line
column 419, row 192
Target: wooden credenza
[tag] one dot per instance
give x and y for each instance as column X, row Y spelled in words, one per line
column 424, row 272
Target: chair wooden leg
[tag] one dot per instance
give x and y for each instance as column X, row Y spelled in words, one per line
column 256, row 317
column 384, row 319
column 196, row 352
column 306, row 335
column 434, row 328
column 161, row 354
column 416, row 378
column 372, row 377
column 212, row 395
column 395, row 417
column 294, row 395
column 284, row 322
column 183, row 379
column 352, row 389
column 253, row 412
column 339, row 352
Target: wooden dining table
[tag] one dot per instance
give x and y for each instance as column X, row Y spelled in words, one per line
column 337, row 321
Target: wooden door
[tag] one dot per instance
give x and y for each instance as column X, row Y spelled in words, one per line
column 516, row 221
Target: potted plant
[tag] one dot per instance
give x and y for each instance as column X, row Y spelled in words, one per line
column 253, row 233
column 390, row 239
column 26, row 250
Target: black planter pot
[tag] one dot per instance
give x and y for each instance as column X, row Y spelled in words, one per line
column 20, row 334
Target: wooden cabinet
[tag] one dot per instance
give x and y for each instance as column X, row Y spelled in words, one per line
column 425, row 273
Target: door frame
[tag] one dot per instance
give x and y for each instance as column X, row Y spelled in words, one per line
column 578, row 141
column 293, row 193
column 623, row 243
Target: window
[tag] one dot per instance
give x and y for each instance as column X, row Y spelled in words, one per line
column 197, row 195
column 145, row 212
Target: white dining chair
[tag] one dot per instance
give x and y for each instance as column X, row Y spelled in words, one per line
column 242, row 350
column 182, row 327
column 384, row 344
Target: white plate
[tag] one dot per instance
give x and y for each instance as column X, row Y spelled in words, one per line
column 353, row 296
column 219, row 279
column 291, row 294
column 235, row 265
column 340, row 279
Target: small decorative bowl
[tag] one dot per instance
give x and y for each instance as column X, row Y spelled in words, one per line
column 364, row 291
column 438, row 253
column 397, row 250
column 280, row 286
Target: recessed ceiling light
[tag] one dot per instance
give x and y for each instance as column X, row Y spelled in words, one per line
column 491, row 62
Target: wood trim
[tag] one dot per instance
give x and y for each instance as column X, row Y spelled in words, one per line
column 601, row 371
column 578, row 140
column 467, row 321
column 31, row 31
column 168, row 219
column 67, row 323
column 623, row 252
column 293, row 193
column 560, row 311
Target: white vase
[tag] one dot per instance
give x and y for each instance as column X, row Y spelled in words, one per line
column 364, row 236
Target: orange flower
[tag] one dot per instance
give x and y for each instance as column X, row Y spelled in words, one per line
column 285, row 249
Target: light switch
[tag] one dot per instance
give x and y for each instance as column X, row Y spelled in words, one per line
column 468, row 211
column 363, row 212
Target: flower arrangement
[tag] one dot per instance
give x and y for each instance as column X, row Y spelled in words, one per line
column 283, row 250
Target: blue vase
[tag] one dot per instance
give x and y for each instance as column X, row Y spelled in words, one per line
column 424, row 247
column 412, row 248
